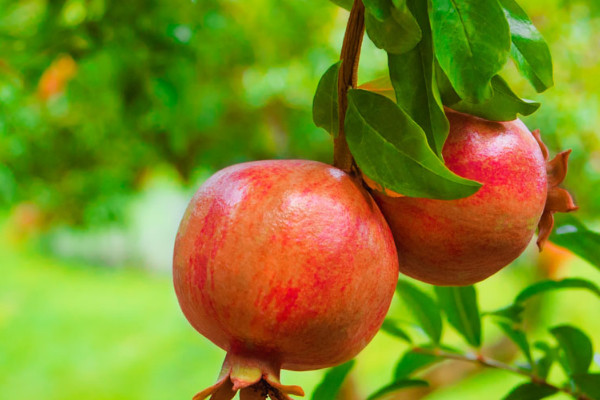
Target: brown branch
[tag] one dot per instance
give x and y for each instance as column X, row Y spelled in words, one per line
column 491, row 363
column 348, row 76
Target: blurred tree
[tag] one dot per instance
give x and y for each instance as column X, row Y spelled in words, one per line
column 94, row 93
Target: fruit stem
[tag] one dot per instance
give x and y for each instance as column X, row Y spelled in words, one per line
column 491, row 363
column 348, row 78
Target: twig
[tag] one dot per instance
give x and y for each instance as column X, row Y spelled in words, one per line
column 491, row 363
column 348, row 76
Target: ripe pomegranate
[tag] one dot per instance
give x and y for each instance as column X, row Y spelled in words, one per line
column 460, row 242
column 283, row 264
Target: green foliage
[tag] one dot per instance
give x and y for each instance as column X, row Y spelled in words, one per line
column 380, row 9
column 571, row 233
column 347, row 4
column 412, row 76
column 544, row 363
column 519, row 338
column 529, row 50
column 391, row 327
column 530, row 391
column 441, row 53
column 461, row 309
column 414, row 361
column 472, row 41
column 391, row 149
column 150, row 89
column 576, row 347
column 503, row 105
column 588, row 384
column 396, row 386
column 423, row 307
column 155, row 92
column 514, row 311
column 391, row 27
column 325, row 104
column 332, row 382
column 550, row 285
column 511, row 313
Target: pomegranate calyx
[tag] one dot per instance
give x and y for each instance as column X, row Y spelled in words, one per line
column 255, row 379
column 558, row 199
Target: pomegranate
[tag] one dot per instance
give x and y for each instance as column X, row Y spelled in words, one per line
column 283, row 264
column 460, row 242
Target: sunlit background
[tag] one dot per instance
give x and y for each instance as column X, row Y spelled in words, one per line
column 112, row 113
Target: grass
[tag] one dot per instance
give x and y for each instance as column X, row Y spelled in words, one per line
column 72, row 332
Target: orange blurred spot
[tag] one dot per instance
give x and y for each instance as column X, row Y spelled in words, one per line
column 553, row 259
column 26, row 220
column 57, row 75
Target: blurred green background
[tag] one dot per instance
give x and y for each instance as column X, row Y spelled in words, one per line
column 112, row 113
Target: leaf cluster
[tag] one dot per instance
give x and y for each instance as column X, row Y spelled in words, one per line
column 568, row 347
column 176, row 85
column 441, row 53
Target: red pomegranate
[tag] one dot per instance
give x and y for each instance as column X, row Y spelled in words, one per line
column 460, row 242
column 283, row 264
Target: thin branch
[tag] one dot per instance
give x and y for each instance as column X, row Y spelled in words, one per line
column 348, row 77
column 491, row 363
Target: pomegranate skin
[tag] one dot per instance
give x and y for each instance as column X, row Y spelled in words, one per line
column 284, row 262
column 461, row 242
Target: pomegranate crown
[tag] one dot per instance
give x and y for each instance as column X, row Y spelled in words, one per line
column 558, row 199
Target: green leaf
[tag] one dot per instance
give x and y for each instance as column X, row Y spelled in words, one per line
column 347, row 4
column 589, row 384
column 530, row 391
column 332, row 382
column 423, row 307
column 513, row 313
column 447, row 92
column 570, row 233
column 400, row 4
column 549, row 285
column 391, row 327
column 325, row 102
column 472, row 42
column 576, row 346
column 504, row 105
column 412, row 362
column 392, row 29
column 380, row 9
column 393, row 387
column 529, row 50
column 519, row 338
column 412, row 75
column 390, row 148
column 460, row 305
column 544, row 363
